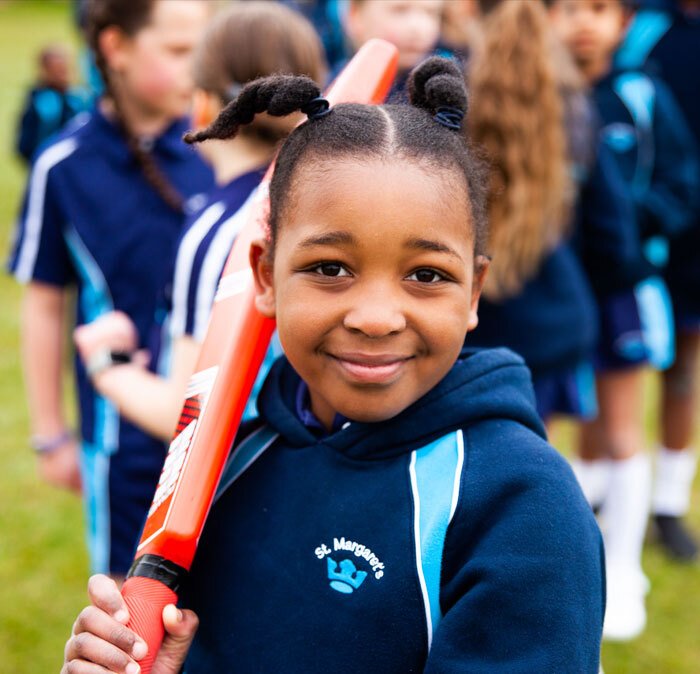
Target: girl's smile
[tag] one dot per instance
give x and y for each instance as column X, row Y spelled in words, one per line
column 367, row 368
column 372, row 283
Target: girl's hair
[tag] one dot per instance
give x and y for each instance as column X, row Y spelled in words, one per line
column 129, row 16
column 254, row 39
column 351, row 130
column 517, row 114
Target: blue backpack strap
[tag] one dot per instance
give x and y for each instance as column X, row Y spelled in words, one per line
column 435, row 473
column 647, row 28
column 638, row 94
column 244, row 456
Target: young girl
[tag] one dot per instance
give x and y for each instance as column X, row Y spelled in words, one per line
column 648, row 138
column 664, row 38
column 103, row 201
column 404, row 512
column 228, row 57
column 538, row 301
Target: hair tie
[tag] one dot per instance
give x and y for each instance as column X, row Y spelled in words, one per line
column 316, row 108
column 449, row 117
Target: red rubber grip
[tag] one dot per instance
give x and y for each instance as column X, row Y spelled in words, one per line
column 146, row 598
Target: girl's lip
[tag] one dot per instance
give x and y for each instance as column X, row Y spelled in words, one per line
column 371, row 369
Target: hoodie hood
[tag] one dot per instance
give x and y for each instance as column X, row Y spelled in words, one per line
column 482, row 385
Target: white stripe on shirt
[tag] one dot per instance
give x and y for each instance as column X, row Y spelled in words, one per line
column 34, row 219
column 183, row 266
column 213, row 263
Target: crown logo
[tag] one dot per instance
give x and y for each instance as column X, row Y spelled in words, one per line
column 347, row 579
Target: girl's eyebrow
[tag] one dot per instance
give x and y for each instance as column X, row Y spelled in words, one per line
column 328, row 239
column 433, row 246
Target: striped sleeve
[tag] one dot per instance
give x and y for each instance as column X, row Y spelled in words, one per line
column 39, row 252
column 201, row 257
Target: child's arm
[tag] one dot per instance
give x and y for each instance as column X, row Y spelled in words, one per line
column 100, row 641
column 609, row 239
column 522, row 586
column 27, row 130
column 146, row 399
column 670, row 201
column 43, row 329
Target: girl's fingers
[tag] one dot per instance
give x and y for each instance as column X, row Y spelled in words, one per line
column 104, row 594
column 180, row 627
column 95, row 621
column 87, row 652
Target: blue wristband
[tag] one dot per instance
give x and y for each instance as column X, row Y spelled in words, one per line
column 43, row 445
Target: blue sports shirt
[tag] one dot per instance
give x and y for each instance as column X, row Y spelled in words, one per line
column 90, row 219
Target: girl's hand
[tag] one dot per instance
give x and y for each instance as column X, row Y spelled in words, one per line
column 101, row 642
column 113, row 331
column 61, row 466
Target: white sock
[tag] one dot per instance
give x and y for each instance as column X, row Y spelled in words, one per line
column 593, row 478
column 673, row 481
column 625, row 512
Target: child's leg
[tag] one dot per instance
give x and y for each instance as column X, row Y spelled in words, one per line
column 676, row 460
column 593, row 465
column 618, row 433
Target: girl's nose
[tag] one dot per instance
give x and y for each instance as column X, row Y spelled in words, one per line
column 375, row 314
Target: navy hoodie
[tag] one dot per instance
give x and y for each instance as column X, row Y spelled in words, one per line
column 654, row 150
column 451, row 538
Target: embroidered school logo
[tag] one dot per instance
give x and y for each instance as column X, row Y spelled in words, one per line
column 348, row 579
column 343, row 574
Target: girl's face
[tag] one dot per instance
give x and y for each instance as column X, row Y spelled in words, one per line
column 153, row 67
column 413, row 26
column 373, row 284
column 590, row 29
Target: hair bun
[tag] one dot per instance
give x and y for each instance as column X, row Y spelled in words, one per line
column 437, row 83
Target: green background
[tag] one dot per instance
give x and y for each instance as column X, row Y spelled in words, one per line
column 43, row 564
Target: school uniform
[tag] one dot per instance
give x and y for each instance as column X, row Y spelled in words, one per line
column 552, row 324
column 201, row 253
column 665, row 42
column 653, row 149
column 91, row 220
column 45, row 112
column 449, row 538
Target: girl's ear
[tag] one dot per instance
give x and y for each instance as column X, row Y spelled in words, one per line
column 205, row 108
column 114, row 46
column 481, row 267
column 261, row 264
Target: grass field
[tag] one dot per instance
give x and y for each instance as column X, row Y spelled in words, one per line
column 43, row 565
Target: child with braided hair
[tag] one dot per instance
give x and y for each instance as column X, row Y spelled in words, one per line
column 104, row 201
column 396, row 507
column 150, row 394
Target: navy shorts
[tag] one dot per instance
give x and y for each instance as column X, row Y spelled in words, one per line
column 636, row 328
column 118, row 490
column 569, row 392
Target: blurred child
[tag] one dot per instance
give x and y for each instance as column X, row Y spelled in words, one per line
column 403, row 512
column 228, row 57
column 648, row 137
column 537, row 300
column 664, row 38
column 50, row 104
column 104, row 202
column 413, row 26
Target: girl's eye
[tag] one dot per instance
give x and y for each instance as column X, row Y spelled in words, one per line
column 330, row 269
column 426, row 276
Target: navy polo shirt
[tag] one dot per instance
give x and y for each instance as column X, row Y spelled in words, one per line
column 90, row 219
